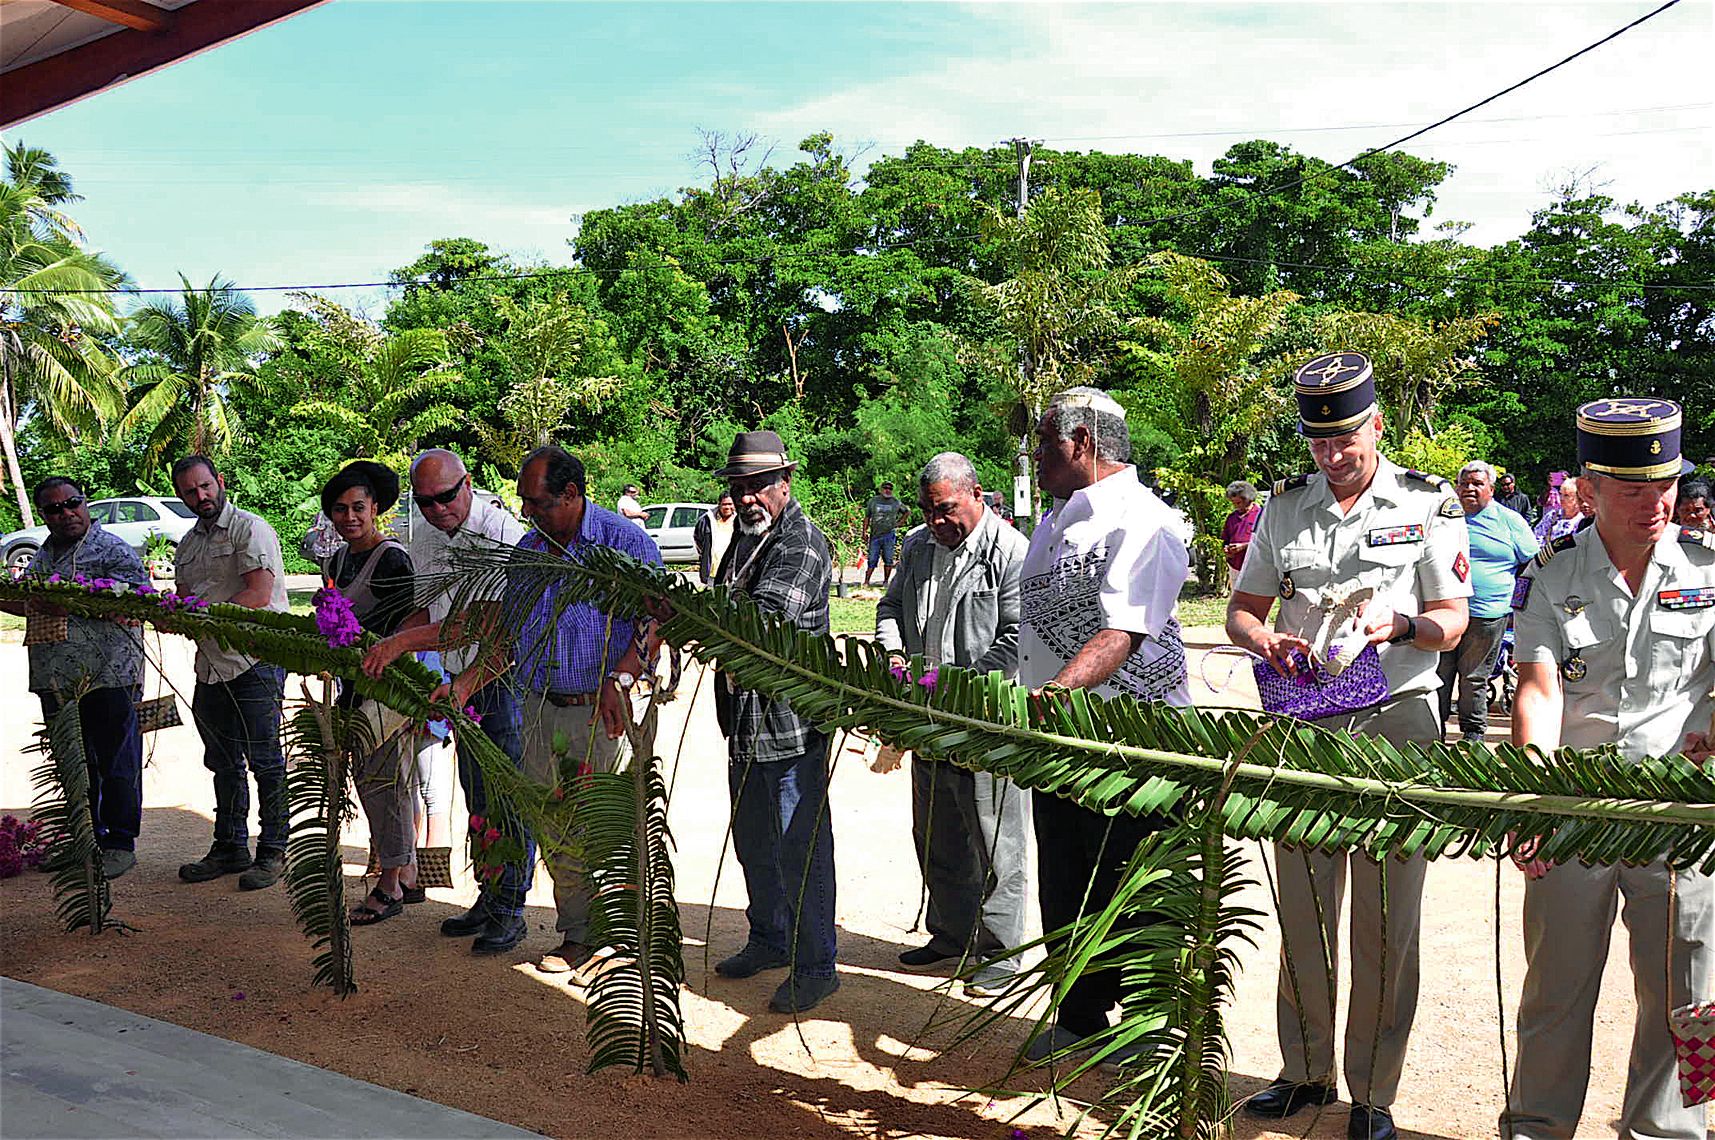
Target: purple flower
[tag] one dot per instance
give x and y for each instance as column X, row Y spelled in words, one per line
column 147, row 589
column 54, row 579
column 900, row 673
column 471, row 713
column 335, row 619
column 929, row 678
column 80, row 579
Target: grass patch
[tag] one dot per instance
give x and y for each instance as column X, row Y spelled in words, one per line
column 851, row 615
column 1197, row 609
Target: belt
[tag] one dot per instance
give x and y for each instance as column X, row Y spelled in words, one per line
column 569, row 700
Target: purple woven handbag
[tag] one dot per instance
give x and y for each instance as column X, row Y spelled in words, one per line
column 1312, row 693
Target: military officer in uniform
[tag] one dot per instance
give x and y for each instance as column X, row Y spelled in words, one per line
column 1360, row 521
column 1615, row 645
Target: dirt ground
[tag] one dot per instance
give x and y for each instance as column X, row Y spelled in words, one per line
column 495, row 1037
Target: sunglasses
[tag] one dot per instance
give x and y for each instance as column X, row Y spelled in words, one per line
column 64, row 506
column 443, row 499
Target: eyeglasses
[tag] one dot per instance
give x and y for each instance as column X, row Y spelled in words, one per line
column 443, row 499
column 64, row 506
column 744, row 486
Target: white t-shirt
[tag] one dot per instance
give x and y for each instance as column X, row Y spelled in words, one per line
column 432, row 558
column 1108, row 558
column 630, row 508
column 720, row 537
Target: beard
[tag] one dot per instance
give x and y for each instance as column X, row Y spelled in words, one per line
column 754, row 520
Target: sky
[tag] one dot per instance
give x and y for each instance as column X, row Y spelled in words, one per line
column 334, row 146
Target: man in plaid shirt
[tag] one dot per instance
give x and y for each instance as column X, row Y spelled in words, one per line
column 778, row 762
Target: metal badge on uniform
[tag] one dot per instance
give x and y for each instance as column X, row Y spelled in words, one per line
column 1573, row 605
column 1394, row 535
column 1521, row 592
column 1287, row 589
column 1573, row 668
column 1686, row 598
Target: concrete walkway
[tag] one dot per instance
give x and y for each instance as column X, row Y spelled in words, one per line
column 76, row 1068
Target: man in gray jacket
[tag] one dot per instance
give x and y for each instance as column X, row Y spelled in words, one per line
column 955, row 601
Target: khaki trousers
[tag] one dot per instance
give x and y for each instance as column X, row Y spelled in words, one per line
column 586, row 743
column 1568, row 918
column 1383, row 997
column 386, row 779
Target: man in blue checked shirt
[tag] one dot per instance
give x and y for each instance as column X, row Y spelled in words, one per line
column 578, row 673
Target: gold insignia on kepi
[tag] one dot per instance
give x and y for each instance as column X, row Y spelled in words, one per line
column 1336, row 394
column 1632, row 438
column 1573, row 668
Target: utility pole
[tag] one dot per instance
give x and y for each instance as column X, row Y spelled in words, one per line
column 1023, row 503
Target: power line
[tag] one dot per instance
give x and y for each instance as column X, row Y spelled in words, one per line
column 1421, row 131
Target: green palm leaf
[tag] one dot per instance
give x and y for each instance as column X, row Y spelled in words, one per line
column 81, row 894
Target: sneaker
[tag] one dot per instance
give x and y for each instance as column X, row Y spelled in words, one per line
column 222, row 859
column 752, row 960
column 800, row 993
column 269, row 865
column 567, row 958
column 116, row 862
column 988, row 982
column 925, row 956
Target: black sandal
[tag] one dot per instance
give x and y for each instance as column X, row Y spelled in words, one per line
column 363, row 916
column 414, row 895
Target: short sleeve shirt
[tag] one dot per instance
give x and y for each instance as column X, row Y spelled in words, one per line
column 96, row 654
column 1634, row 670
column 1108, row 558
column 884, row 513
column 434, row 557
column 212, row 560
column 1405, row 537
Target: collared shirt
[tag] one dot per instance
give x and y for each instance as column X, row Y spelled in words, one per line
column 1500, row 540
column 212, row 560
column 434, row 556
column 1239, row 527
column 97, row 653
column 1517, row 501
column 945, row 566
column 571, row 654
column 1634, row 670
column 1108, row 558
column 1404, row 537
column 787, row 570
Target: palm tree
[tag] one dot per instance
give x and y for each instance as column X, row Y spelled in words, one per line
column 55, row 307
column 396, row 389
column 196, row 348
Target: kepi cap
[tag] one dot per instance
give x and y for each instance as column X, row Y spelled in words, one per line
column 753, row 452
column 1634, row 438
column 1336, row 393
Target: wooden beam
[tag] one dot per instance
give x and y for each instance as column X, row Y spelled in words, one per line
column 58, row 80
column 144, row 17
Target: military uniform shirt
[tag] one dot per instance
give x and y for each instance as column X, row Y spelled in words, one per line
column 1644, row 664
column 1405, row 537
column 211, row 562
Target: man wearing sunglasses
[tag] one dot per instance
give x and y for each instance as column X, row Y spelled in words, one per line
column 461, row 522
column 97, row 663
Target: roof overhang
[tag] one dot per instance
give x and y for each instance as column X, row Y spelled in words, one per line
column 55, row 52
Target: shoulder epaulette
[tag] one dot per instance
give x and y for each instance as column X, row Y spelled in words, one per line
column 1564, row 542
column 1693, row 536
column 1435, row 481
column 1282, row 486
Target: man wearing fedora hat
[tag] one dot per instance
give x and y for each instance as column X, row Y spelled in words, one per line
column 1358, row 527
column 1615, row 647
column 233, row 556
column 777, row 760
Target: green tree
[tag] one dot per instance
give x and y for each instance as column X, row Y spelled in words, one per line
column 1417, row 363
column 195, row 350
column 55, row 318
column 1207, row 379
column 391, row 391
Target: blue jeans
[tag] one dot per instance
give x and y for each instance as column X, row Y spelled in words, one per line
column 503, row 723
column 881, row 547
column 239, row 722
column 785, row 843
column 113, row 751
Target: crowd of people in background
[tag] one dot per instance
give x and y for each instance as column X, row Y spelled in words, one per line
column 1433, row 574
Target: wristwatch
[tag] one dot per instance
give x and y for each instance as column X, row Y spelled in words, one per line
column 1410, row 634
column 622, row 679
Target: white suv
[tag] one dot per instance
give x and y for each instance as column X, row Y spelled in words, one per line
column 136, row 520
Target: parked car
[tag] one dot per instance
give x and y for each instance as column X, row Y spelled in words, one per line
column 671, row 526
column 135, row 519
